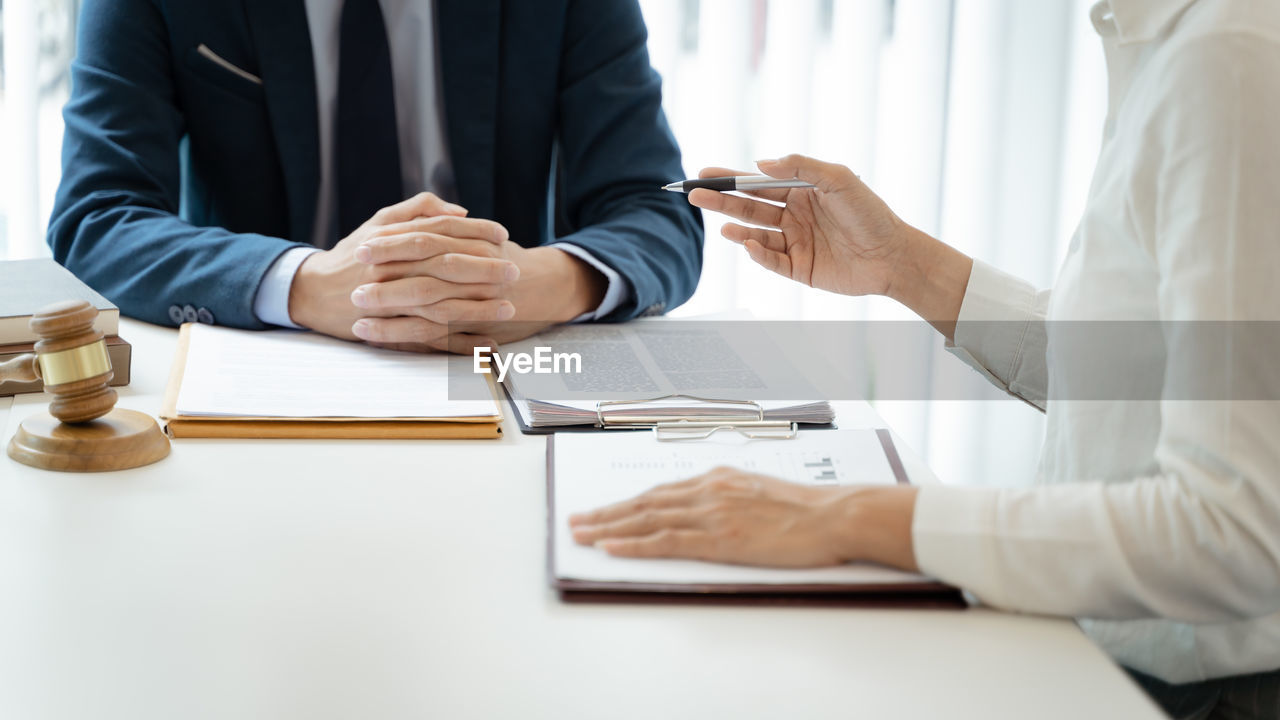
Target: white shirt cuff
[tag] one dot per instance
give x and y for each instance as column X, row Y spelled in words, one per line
column 992, row 298
column 271, row 304
column 953, row 531
column 618, row 290
column 1001, row 318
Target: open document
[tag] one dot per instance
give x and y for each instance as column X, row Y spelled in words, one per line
column 284, row 383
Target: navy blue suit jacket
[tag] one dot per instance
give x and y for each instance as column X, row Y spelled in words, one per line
column 183, row 182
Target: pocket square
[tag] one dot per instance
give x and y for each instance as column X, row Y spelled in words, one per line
column 225, row 64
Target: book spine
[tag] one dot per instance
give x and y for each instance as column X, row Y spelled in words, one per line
column 16, row 330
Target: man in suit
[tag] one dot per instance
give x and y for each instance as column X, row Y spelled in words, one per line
column 411, row 173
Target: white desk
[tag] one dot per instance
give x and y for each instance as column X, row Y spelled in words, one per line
column 398, row 580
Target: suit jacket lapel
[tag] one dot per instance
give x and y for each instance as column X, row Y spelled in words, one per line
column 469, row 33
column 282, row 39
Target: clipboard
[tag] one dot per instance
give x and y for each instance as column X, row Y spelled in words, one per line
column 923, row 595
column 604, row 424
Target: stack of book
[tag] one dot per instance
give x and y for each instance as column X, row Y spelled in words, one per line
column 26, row 286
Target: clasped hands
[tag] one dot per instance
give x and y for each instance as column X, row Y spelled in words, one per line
column 421, row 275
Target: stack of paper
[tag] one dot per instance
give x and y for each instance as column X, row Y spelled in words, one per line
column 704, row 371
column 571, row 413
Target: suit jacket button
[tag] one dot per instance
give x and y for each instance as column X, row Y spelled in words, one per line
column 203, row 315
column 175, row 314
column 188, row 314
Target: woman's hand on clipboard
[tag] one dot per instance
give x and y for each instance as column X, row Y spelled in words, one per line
column 735, row 517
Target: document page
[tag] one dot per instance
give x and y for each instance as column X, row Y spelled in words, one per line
column 293, row 374
column 598, row 469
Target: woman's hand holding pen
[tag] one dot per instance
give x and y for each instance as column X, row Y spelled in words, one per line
column 840, row 236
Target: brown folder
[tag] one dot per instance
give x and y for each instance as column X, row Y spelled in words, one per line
column 905, row 595
column 186, row 426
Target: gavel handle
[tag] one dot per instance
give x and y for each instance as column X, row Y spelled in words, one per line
column 20, row 369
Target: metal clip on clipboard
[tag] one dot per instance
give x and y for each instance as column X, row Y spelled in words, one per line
column 675, row 428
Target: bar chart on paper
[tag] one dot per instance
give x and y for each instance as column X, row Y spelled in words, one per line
column 810, row 467
column 636, row 460
column 821, row 471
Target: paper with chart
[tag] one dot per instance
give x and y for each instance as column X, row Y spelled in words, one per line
column 594, row 470
column 290, row 374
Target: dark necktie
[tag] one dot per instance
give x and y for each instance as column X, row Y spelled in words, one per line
column 367, row 152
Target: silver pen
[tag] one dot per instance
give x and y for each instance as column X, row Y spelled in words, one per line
column 743, row 183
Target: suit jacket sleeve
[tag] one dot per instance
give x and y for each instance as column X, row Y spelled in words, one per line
column 116, row 220
column 616, row 151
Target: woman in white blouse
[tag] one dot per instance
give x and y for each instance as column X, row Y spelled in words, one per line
column 1156, row 523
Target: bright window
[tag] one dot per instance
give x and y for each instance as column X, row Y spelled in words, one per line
column 37, row 38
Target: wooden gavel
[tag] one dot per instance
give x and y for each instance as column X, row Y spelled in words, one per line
column 71, row 359
column 82, row 431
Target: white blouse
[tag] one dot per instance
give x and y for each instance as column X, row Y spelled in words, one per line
column 1156, row 521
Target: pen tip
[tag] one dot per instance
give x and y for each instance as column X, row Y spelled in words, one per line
column 672, row 187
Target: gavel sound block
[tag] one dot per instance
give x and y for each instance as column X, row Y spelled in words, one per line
column 81, row 432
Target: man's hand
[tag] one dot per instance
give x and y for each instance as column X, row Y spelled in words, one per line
column 423, row 312
column 731, row 516
column 457, row 266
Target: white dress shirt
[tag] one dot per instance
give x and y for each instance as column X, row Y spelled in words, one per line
column 1159, row 526
column 424, row 154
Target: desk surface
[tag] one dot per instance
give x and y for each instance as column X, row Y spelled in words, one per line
column 405, row 579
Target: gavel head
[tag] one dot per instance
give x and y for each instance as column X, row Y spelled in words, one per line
column 72, row 360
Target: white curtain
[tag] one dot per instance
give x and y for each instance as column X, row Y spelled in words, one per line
column 38, row 42
column 977, row 120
